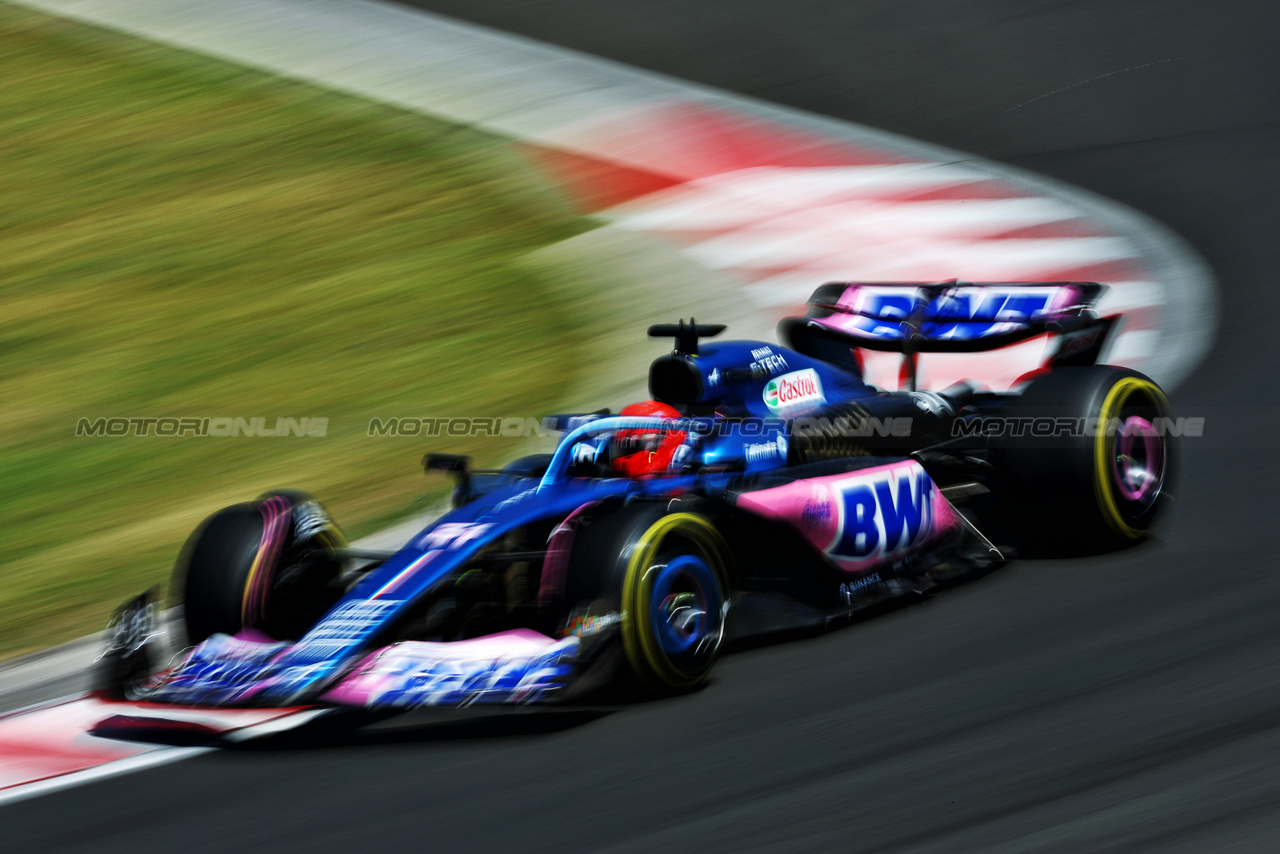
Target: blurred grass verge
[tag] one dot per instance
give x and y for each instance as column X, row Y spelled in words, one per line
column 181, row 237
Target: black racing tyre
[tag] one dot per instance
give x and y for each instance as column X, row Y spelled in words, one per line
column 267, row 565
column 1091, row 467
column 669, row 574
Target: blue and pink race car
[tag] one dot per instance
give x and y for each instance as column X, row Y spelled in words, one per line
column 763, row 491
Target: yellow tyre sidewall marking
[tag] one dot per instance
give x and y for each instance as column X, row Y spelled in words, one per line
column 258, row 560
column 645, row 656
column 1104, row 448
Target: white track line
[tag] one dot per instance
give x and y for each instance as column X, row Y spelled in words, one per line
column 150, row 759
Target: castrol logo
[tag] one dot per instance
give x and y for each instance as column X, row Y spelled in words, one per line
column 794, row 390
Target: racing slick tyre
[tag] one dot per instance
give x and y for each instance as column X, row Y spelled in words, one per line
column 269, row 565
column 1092, row 467
column 670, row 573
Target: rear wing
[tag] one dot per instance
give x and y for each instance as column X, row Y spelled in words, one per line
column 950, row 317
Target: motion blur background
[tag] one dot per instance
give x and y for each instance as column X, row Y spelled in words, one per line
column 183, row 238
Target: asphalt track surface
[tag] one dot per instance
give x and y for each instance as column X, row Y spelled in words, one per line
column 1129, row 702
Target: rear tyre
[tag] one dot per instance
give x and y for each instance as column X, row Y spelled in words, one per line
column 268, row 565
column 1100, row 487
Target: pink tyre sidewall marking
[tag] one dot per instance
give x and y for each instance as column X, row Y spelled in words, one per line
column 1138, row 432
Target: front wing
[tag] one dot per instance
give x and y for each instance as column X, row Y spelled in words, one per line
column 519, row 666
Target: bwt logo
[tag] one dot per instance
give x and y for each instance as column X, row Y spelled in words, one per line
column 994, row 306
column 887, row 516
column 964, row 314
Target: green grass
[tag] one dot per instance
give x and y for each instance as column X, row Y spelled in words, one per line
column 182, row 237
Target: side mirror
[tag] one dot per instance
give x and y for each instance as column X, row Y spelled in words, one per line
column 460, row 465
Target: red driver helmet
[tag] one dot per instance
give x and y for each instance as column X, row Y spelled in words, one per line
column 649, row 450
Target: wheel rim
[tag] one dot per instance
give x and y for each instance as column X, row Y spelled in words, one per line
column 679, row 604
column 1131, row 455
column 673, row 601
column 1139, row 461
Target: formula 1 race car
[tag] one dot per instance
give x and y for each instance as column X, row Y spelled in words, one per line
column 764, row 490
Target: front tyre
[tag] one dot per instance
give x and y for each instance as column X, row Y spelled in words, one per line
column 268, row 565
column 673, row 601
